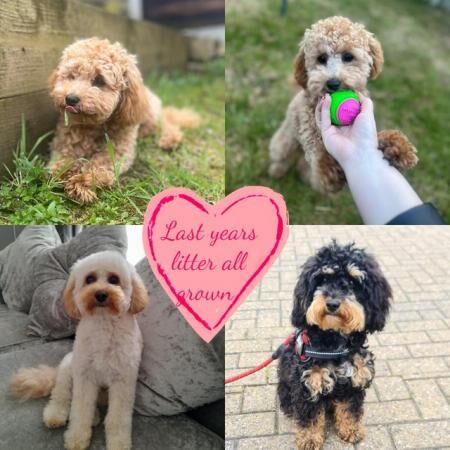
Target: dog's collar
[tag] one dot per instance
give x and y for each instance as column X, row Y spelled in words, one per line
column 306, row 351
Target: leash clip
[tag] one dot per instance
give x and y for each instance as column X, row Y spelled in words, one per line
column 300, row 342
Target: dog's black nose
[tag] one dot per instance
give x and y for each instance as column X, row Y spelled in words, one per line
column 333, row 304
column 333, row 84
column 101, row 296
column 72, row 100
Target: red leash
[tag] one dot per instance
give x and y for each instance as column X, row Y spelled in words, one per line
column 275, row 355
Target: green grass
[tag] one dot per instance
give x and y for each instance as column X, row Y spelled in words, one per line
column 31, row 195
column 412, row 94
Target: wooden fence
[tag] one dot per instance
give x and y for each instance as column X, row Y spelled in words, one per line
column 32, row 35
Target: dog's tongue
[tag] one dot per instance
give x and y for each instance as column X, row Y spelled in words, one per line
column 72, row 109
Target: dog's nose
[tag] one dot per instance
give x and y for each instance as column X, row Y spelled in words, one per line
column 72, row 100
column 333, row 304
column 333, row 84
column 101, row 296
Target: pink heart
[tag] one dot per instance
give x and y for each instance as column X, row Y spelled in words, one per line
column 207, row 257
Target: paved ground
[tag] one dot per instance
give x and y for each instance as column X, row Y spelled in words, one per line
column 409, row 404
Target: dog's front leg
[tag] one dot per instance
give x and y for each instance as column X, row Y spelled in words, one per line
column 284, row 145
column 363, row 370
column 309, row 415
column 102, row 168
column 397, row 149
column 118, row 422
column 57, row 409
column 82, row 412
column 311, row 435
column 348, row 418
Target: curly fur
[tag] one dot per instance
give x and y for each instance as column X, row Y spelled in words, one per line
column 332, row 37
column 103, row 292
column 112, row 99
column 350, row 280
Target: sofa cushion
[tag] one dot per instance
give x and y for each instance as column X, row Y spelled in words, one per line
column 21, row 426
column 17, row 263
column 51, row 270
column 179, row 370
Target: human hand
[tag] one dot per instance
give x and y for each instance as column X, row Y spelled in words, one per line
column 353, row 144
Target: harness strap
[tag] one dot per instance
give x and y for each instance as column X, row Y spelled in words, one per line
column 306, row 351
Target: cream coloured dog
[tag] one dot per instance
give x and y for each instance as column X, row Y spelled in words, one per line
column 104, row 292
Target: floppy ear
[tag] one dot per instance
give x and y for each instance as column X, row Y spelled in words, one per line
column 52, row 79
column 303, row 292
column 376, row 52
column 379, row 295
column 69, row 301
column 300, row 74
column 134, row 106
column 139, row 296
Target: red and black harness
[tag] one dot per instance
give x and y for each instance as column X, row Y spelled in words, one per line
column 305, row 351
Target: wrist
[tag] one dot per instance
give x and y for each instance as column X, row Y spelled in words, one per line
column 364, row 163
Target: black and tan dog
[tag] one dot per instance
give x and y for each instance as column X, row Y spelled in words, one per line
column 340, row 297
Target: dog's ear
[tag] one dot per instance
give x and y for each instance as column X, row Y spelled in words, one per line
column 69, row 301
column 376, row 52
column 300, row 74
column 134, row 106
column 139, row 296
column 303, row 292
column 378, row 293
column 52, row 79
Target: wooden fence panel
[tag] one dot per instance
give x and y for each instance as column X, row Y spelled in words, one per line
column 32, row 37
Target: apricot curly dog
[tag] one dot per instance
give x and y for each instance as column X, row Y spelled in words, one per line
column 334, row 54
column 99, row 89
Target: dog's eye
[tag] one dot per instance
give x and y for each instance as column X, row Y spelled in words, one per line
column 322, row 59
column 347, row 57
column 113, row 279
column 91, row 279
column 98, row 81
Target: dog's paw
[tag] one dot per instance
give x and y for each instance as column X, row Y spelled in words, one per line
column 277, row 170
column 118, row 442
column 397, row 149
column 170, row 140
column 363, row 370
column 352, row 434
column 76, row 440
column 78, row 188
column 310, row 443
column 319, row 381
column 55, row 416
column 348, row 426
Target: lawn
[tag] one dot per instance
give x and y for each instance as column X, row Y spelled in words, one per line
column 411, row 94
column 30, row 195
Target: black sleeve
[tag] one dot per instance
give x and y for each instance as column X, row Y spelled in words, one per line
column 425, row 214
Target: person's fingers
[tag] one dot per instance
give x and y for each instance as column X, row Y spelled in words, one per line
column 366, row 104
column 317, row 112
column 325, row 119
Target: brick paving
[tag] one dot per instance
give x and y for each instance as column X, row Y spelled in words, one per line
column 408, row 405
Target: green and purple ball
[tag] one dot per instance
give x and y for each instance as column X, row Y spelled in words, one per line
column 344, row 107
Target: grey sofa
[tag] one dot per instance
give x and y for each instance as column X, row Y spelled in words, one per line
column 21, row 425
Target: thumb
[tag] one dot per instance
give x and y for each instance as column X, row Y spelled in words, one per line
column 325, row 114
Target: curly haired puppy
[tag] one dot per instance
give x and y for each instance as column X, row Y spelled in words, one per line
column 103, row 292
column 98, row 87
column 334, row 54
column 340, row 297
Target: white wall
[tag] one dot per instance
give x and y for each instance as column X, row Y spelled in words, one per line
column 135, row 250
